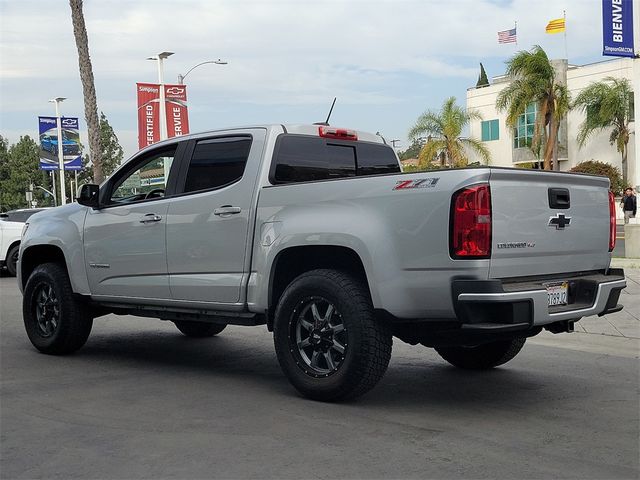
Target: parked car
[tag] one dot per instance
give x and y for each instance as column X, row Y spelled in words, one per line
column 20, row 215
column 315, row 232
column 11, row 224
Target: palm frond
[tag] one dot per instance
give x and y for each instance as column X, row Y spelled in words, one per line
column 444, row 129
column 606, row 104
column 430, row 152
column 479, row 148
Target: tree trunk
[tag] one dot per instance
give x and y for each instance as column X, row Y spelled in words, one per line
column 88, row 87
column 551, row 140
column 625, row 151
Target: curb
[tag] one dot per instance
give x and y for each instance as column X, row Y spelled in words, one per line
column 618, row 262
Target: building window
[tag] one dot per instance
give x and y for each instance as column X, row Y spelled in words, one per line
column 523, row 133
column 490, row 130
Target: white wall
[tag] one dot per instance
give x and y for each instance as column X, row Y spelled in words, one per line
column 597, row 148
column 483, row 100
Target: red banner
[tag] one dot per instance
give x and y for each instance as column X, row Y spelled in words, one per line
column 148, row 113
column 176, row 110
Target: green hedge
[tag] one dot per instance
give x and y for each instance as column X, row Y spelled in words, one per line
column 594, row 167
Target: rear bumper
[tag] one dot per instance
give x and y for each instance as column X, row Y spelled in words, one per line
column 494, row 305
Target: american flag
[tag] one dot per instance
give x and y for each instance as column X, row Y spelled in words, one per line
column 508, row 36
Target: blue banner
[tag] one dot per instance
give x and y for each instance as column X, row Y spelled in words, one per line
column 617, row 28
column 71, row 148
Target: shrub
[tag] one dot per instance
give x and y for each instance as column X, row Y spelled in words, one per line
column 593, row 167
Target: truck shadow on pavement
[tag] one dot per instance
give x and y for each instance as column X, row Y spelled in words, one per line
column 422, row 380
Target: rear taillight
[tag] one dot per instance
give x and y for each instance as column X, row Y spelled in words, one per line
column 612, row 222
column 340, row 133
column 471, row 223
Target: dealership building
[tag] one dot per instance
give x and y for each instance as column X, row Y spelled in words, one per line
column 508, row 146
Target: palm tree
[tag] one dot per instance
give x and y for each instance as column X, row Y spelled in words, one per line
column 88, row 87
column 533, row 80
column 444, row 129
column 607, row 104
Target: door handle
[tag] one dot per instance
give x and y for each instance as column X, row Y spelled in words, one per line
column 226, row 211
column 151, row 218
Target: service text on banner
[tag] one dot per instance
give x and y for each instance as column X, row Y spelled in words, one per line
column 176, row 108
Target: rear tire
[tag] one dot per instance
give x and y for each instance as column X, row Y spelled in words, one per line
column 482, row 357
column 199, row 329
column 56, row 321
column 327, row 339
column 12, row 260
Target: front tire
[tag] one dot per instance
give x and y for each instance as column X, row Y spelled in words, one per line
column 56, row 321
column 12, row 260
column 327, row 339
column 482, row 357
column 199, row 329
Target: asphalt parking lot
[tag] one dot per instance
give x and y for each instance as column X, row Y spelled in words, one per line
column 142, row 401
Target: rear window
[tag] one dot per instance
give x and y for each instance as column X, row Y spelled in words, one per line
column 374, row 159
column 300, row 158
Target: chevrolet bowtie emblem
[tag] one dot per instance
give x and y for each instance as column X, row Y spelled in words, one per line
column 559, row 221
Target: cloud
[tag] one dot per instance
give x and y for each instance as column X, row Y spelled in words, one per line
column 396, row 57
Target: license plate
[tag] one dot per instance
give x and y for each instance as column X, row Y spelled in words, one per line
column 557, row 293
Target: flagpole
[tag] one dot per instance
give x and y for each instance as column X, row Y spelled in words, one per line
column 516, row 29
column 566, row 54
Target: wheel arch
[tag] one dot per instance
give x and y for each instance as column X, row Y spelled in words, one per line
column 16, row 242
column 37, row 255
column 294, row 261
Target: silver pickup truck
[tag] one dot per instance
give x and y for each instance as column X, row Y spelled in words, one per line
column 316, row 232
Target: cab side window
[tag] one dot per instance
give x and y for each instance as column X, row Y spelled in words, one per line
column 217, row 162
column 148, row 181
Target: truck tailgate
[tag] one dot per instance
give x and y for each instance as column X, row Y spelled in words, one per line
column 547, row 222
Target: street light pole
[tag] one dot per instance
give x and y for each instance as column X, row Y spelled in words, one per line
column 53, row 188
column 63, row 192
column 216, row 62
column 162, row 111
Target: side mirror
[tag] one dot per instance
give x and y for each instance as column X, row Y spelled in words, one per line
column 88, row 195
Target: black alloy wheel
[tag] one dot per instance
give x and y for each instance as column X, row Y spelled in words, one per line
column 47, row 309
column 329, row 343
column 57, row 321
column 319, row 333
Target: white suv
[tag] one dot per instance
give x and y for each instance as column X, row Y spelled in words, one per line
column 11, row 224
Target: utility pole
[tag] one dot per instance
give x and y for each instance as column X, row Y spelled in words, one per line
column 162, row 111
column 63, row 192
column 163, row 108
column 53, row 188
column 29, row 196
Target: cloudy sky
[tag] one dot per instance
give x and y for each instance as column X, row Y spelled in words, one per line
column 386, row 60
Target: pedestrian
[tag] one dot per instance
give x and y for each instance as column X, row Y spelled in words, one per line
column 629, row 204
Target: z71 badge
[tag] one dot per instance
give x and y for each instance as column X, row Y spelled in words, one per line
column 422, row 183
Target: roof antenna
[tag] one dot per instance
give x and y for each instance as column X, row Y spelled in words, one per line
column 326, row 122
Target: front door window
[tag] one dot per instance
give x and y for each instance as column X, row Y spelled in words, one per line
column 147, row 182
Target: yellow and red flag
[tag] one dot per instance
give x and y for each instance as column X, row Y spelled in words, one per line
column 556, row 26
